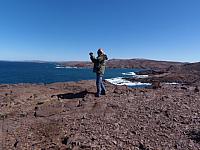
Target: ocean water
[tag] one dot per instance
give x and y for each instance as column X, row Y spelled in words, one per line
column 29, row 72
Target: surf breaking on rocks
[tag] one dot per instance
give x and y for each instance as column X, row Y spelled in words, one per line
column 122, row 81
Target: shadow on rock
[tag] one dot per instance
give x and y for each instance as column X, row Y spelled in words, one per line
column 72, row 95
column 195, row 136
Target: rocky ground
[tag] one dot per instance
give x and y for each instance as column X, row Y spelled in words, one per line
column 64, row 116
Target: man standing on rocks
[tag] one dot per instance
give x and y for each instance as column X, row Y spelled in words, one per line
column 99, row 69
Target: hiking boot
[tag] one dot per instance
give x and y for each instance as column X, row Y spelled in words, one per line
column 97, row 95
column 103, row 93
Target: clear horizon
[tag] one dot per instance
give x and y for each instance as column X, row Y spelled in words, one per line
column 60, row 30
column 89, row 60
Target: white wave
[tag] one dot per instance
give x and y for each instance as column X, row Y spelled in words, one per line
column 129, row 73
column 172, row 83
column 121, row 81
column 134, row 75
column 71, row 67
column 58, row 67
column 65, row 67
column 141, row 76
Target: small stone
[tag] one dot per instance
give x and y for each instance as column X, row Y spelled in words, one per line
column 16, row 142
column 196, row 90
column 156, row 85
column 183, row 88
column 65, row 140
column 114, row 142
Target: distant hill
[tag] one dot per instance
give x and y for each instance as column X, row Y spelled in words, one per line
column 86, row 64
column 127, row 63
column 192, row 66
column 140, row 63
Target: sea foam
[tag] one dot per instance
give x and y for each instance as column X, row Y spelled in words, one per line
column 133, row 74
column 65, row 67
column 121, row 81
column 129, row 73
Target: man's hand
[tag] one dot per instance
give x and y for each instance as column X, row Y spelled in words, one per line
column 90, row 53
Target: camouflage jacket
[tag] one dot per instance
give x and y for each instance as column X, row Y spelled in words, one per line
column 99, row 63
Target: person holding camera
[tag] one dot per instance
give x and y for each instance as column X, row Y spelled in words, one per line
column 99, row 69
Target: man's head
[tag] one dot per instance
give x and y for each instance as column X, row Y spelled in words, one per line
column 100, row 51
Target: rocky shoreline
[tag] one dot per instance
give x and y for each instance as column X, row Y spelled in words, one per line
column 182, row 74
column 64, row 116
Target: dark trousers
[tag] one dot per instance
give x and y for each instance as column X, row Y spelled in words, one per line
column 99, row 83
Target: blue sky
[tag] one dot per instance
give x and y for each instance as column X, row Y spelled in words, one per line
column 58, row 30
